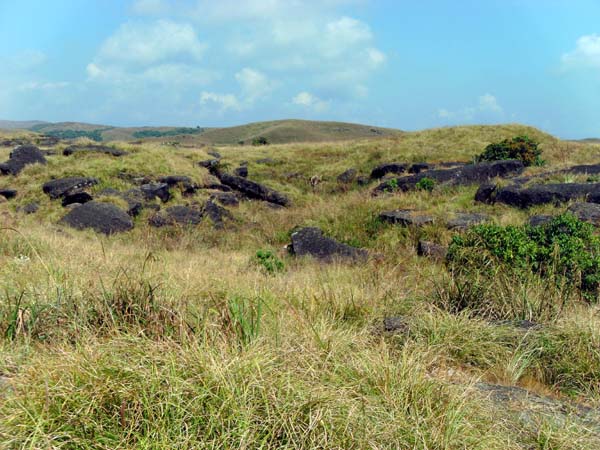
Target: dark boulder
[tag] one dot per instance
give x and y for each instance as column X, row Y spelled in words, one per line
column 363, row 180
column 177, row 215
column 8, row 193
column 384, row 169
column 486, row 193
column 20, row 157
column 156, row 190
column 469, row 174
column 29, row 208
column 406, row 218
column 540, row 219
column 461, row 221
column 432, row 250
column 226, row 198
column 241, row 171
column 418, row 168
column 216, row 213
column 347, row 177
column 102, row 217
column 214, row 154
column 586, row 212
column 93, row 149
column 252, row 189
column 64, row 186
column 174, row 180
column 591, row 169
column 217, row 187
column 544, row 193
column 311, row 242
column 396, row 324
column 80, row 197
column 209, row 164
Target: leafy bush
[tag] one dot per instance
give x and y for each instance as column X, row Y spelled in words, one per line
column 425, row 184
column 260, row 140
column 521, row 147
column 269, row 261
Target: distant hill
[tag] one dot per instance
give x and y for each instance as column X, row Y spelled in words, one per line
column 276, row 132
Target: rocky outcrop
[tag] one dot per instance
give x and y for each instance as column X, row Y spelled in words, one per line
column 311, row 242
column 76, row 197
column 156, row 190
column 432, row 250
column 385, row 169
column 545, row 193
column 406, row 218
column 65, row 186
column 241, row 171
column 101, row 217
column 177, row 215
column 462, row 221
column 586, row 212
column 216, row 214
column 252, row 189
column 20, row 158
column 486, row 193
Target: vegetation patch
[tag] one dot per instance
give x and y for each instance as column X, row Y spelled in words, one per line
column 521, row 147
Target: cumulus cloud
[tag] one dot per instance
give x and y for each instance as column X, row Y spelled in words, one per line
column 223, row 102
column 487, row 107
column 585, row 54
column 310, row 101
column 254, row 84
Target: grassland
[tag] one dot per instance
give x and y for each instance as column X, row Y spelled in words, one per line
column 178, row 338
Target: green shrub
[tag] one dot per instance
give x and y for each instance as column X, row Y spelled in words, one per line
column 425, row 184
column 521, row 147
column 260, row 140
column 269, row 261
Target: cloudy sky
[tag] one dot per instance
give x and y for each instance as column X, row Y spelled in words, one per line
column 398, row 63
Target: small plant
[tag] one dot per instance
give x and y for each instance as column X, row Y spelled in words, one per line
column 425, row 184
column 260, row 140
column 245, row 317
column 269, row 261
column 392, row 185
column 521, row 147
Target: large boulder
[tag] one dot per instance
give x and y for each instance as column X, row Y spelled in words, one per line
column 216, row 214
column 64, row 186
column 20, row 157
column 311, row 242
column 93, row 149
column 241, row 171
column 469, row 174
column 545, row 193
column 80, row 197
column 586, row 212
column 406, row 218
column 462, row 221
column 102, row 217
column 8, row 193
column 156, row 190
column 486, row 193
column 177, row 215
column 226, row 198
column 384, row 169
column 252, row 189
column 432, row 250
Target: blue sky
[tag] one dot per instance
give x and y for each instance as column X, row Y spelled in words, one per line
column 403, row 64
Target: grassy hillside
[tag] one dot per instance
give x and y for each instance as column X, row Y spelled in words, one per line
column 180, row 338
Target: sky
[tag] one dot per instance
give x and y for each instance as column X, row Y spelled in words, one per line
column 396, row 63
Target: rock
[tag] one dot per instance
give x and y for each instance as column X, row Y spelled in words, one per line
column 418, row 168
column 486, row 193
column 460, row 176
column 545, row 193
column 215, row 213
column 396, row 324
column 586, row 212
column 102, row 217
column 311, row 242
column 540, row 219
column 432, row 250
column 209, row 163
column 8, row 193
column 80, row 197
column 241, row 171
column 406, row 218
column 363, row 181
column 177, row 215
column 93, row 149
column 64, row 186
column 218, row 187
column 156, row 190
column 347, row 177
column 384, row 169
column 591, row 169
column 174, row 180
column 462, row 221
column 252, row 189
column 20, row 157
column 226, row 198
column 30, row 208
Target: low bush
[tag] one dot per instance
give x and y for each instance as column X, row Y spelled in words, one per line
column 425, row 184
column 521, row 147
column 260, row 140
column 269, row 261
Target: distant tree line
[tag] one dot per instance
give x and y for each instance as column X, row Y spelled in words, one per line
column 156, row 133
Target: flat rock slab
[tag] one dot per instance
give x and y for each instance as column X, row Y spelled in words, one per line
column 540, row 219
column 226, row 198
column 469, row 174
column 310, row 241
column 406, row 218
column 177, row 215
column 174, row 180
column 93, row 149
column 461, row 221
column 20, row 158
column 252, row 189
column 64, row 186
column 419, row 167
column 8, row 193
column 542, row 194
column 101, row 217
column 432, row 250
column 385, row 169
column 586, row 212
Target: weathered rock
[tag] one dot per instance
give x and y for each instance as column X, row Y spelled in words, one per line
column 347, row 177
column 586, row 212
column 80, row 197
column 241, row 171
column 384, row 169
column 397, row 324
column 226, row 198
column 215, row 213
column 214, row 154
column 418, row 168
column 252, row 189
column 461, row 221
column 102, row 217
column 540, row 219
column 177, row 215
column 486, row 193
column 406, row 218
column 432, row 250
column 218, row 187
column 363, row 180
column 20, row 157
column 29, row 208
column 64, row 186
column 544, row 193
column 590, row 169
column 174, row 180
column 156, row 190
column 311, row 242
column 93, row 149
column 8, row 193
column 469, row 174
column 209, row 163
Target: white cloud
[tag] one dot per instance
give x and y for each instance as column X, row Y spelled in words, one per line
column 224, row 102
column 253, row 83
column 585, row 54
column 487, row 107
column 310, row 101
